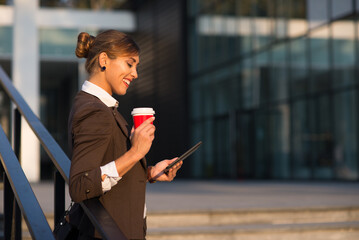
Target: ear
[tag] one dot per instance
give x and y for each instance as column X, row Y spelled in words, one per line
column 102, row 59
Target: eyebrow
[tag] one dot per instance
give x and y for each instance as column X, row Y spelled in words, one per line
column 133, row 59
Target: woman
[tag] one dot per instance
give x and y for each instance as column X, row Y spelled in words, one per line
column 107, row 159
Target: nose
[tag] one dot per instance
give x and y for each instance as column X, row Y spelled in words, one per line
column 134, row 73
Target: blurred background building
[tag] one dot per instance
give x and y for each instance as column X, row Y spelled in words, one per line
column 270, row 86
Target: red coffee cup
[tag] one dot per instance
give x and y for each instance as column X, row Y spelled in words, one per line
column 141, row 114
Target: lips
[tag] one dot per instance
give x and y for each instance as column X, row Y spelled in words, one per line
column 127, row 82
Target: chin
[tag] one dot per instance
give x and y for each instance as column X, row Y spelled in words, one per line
column 121, row 93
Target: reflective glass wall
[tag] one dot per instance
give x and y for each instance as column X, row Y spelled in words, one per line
column 274, row 88
column 88, row 4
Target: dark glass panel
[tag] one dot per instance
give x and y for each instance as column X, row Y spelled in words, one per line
column 317, row 13
column 278, row 78
column 298, row 9
column 341, row 8
column 300, row 142
column 298, row 68
column 279, row 144
column 320, row 60
column 321, row 136
column 245, row 145
column 89, row 4
column 59, row 83
column 346, row 135
column 343, row 43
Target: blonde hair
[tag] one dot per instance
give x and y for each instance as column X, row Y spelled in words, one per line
column 114, row 43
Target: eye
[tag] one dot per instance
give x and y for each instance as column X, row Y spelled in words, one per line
column 130, row 65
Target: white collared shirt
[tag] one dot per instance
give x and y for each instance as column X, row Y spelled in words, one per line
column 109, row 169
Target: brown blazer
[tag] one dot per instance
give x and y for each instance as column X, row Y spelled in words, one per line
column 98, row 135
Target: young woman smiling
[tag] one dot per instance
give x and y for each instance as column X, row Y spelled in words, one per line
column 107, row 158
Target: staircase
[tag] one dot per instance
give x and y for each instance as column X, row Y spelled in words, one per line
column 260, row 210
column 272, row 224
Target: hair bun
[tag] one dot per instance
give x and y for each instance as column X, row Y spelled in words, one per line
column 84, row 42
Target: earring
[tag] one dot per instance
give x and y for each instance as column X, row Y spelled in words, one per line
column 103, row 68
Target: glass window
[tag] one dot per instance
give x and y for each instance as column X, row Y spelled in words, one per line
column 315, row 135
column 86, row 4
column 279, row 144
column 59, row 83
column 300, row 141
column 193, row 7
column 247, row 86
column 281, row 14
column 204, row 51
column 245, row 145
column 298, row 9
column 321, row 136
column 59, row 43
column 222, row 165
column 320, row 60
column 343, row 53
column 244, row 8
column 6, row 41
column 208, row 92
column 297, row 22
column 208, row 168
column 196, row 96
column 317, row 12
column 197, row 165
column 346, row 135
column 262, row 25
column 341, row 8
column 261, row 8
column 244, row 28
column 193, row 47
column 298, row 67
column 6, row 2
column 225, row 91
column 278, row 77
column 227, row 7
column 260, row 78
column 259, row 146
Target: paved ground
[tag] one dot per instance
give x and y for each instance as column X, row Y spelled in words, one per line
column 190, row 195
column 184, row 195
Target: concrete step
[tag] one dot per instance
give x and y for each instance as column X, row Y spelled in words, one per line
column 304, row 231
column 264, row 224
column 260, row 216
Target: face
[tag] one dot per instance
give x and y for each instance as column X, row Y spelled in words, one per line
column 119, row 74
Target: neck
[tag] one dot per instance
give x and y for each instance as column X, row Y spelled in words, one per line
column 99, row 80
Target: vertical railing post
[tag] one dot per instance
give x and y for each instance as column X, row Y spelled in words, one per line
column 59, row 197
column 17, row 133
column 17, row 221
column 17, row 148
column 8, row 207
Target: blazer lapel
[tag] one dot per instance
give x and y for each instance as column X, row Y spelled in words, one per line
column 125, row 129
column 121, row 122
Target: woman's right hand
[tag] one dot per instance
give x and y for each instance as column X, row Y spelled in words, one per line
column 142, row 138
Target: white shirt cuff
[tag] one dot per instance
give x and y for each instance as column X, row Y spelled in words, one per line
column 109, row 169
column 111, row 178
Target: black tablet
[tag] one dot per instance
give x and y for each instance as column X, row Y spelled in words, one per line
column 184, row 156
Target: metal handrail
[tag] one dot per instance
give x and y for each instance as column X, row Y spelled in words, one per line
column 25, row 197
column 99, row 217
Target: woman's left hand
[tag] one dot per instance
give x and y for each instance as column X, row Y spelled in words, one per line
column 158, row 174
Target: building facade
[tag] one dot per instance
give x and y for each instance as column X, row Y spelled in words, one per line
column 274, row 88
column 270, row 86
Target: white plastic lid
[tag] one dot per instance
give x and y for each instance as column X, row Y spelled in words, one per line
column 143, row 111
